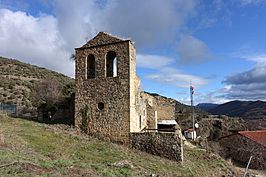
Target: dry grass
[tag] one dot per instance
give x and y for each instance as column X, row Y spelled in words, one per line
column 32, row 149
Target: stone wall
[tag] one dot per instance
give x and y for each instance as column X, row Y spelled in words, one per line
column 113, row 121
column 168, row 145
column 240, row 148
column 137, row 106
column 151, row 112
column 123, row 109
column 140, row 113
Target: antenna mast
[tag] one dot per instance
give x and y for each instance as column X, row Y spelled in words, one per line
column 192, row 107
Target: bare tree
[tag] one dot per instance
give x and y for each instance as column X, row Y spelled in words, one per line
column 72, row 57
column 46, row 91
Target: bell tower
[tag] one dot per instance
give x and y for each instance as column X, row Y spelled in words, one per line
column 106, row 91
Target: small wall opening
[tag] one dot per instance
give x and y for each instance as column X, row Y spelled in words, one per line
column 100, row 106
column 140, row 122
column 90, row 66
column 111, row 64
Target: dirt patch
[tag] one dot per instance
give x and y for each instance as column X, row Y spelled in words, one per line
column 76, row 171
column 25, row 167
column 4, row 147
column 3, row 144
column 32, row 168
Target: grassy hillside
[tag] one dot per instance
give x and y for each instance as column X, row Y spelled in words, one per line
column 18, row 80
column 31, row 149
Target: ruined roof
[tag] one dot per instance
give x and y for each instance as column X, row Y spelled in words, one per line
column 102, row 38
column 257, row 136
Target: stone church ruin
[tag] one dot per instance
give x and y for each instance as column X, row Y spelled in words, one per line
column 109, row 103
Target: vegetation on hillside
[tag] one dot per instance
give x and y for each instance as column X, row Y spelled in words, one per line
column 243, row 109
column 21, row 83
column 15, row 68
column 30, row 149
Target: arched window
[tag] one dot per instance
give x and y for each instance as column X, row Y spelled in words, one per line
column 90, row 66
column 111, row 64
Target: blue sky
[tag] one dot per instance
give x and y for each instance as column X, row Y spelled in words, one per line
column 218, row 45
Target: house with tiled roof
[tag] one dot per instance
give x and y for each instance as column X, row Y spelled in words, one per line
column 243, row 144
column 256, row 136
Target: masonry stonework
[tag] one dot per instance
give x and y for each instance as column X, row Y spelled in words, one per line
column 167, row 145
column 106, row 106
column 109, row 103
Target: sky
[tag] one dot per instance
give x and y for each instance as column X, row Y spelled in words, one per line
column 217, row 45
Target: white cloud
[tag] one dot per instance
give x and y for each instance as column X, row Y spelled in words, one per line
column 255, row 75
column 214, row 96
column 250, row 84
column 78, row 21
column 147, row 22
column 251, row 2
column 33, row 39
column 165, row 73
column 192, row 50
column 253, row 91
column 174, row 77
column 153, row 61
column 260, row 59
column 48, row 40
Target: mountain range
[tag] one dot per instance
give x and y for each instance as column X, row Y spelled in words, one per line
column 243, row 109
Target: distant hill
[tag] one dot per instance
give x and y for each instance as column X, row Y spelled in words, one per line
column 18, row 80
column 243, row 109
column 207, row 106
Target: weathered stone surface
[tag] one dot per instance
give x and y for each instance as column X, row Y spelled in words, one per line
column 111, row 108
column 167, row 145
column 117, row 94
column 165, row 107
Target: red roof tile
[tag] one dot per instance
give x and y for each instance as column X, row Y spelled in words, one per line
column 258, row 136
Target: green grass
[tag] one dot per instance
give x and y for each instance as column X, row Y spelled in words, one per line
column 40, row 150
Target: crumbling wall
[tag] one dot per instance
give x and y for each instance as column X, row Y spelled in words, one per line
column 158, row 108
column 169, row 145
column 140, row 115
column 165, row 108
column 151, row 110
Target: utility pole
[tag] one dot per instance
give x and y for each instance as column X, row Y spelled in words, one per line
column 192, row 107
column 246, row 171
